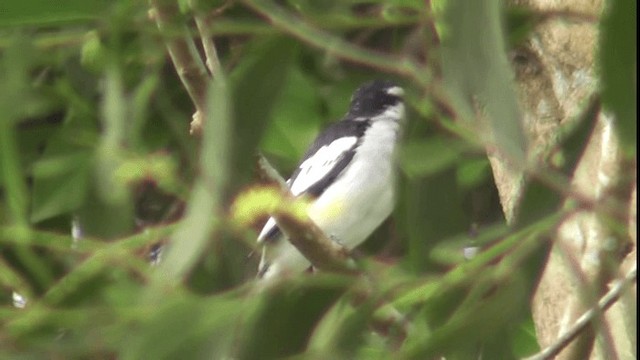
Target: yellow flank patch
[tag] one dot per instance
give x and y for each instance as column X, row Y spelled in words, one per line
column 330, row 212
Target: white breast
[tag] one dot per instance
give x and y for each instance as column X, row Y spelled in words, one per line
column 363, row 195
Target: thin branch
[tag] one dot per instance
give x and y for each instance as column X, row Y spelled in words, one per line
column 291, row 24
column 585, row 320
column 186, row 59
column 213, row 63
column 268, row 173
column 183, row 53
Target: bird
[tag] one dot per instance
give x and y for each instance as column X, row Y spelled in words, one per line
column 348, row 172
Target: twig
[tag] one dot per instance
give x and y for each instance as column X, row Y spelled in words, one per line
column 212, row 62
column 269, row 173
column 583, row 321
column 203, row 23
column 186, row 59
column 183, row 53
column 291, row 24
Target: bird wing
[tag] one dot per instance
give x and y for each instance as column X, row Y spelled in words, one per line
column 319, row 170
column 327, row 157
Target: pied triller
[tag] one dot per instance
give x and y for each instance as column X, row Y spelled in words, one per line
column 348, row 172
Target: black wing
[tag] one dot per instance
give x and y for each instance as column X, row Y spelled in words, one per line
column 323, row 162
column 327, row 157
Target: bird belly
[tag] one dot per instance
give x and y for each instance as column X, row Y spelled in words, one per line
column 352, row 210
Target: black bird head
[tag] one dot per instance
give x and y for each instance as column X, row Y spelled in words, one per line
column 373, row 98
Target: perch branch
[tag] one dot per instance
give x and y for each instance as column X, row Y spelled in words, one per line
column 323, row 253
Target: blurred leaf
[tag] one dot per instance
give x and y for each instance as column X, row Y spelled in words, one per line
column 17, row 100
column 431, row 211
column 94, row 53
column 207, row 196
column 473, row 324
column 519, row 22
column 296, row 119
column 477, row 74
column 421, row 158
column 186, row 327
column 61, row 178
column 525, row 341
column 618, row 61
column 472, row 172
column 253, row 203
column 343, row 329
column 256, row 85
column 43, row 12
column 287, row 316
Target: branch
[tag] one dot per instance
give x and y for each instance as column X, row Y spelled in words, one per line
column 186, row 59
column 291, row 217
column 204, row 28
column 583, row 322
column 291, row 24
column 183, row 53
column 323, row 253
column 268, row 173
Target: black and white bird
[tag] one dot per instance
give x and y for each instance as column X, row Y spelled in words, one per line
column 349, row 173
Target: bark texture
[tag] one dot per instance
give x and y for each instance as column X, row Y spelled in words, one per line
column 556, row 75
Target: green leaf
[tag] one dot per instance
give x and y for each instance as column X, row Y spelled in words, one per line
column 618, row 62
column 256, row 85
column 288, row 315
column 479, row 321
column 422, row 158
column 190, row 239
column 473, row 172
column 296, row 118
column 44, row 12
column 62, row 190
column 477, row 74
column 62, row 176
column 342, row 329
column 186, row 327
column 524, row 340
column 430, row 210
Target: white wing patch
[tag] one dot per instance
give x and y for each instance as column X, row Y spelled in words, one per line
column 270, row 224
column 313, row 170
column 319, row 164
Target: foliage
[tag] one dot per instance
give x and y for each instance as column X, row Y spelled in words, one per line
column 97, row 168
